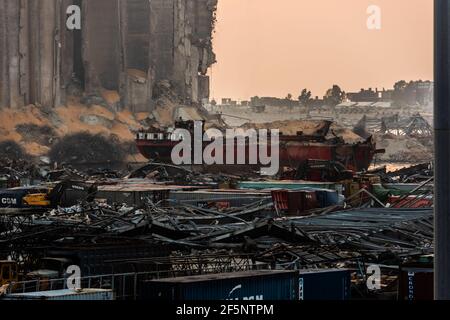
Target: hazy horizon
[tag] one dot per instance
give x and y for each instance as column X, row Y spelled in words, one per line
column 270, row 48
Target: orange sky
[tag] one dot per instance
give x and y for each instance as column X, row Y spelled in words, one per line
column 276, row 47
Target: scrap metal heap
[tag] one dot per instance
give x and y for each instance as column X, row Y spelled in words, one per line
column 255, row 228
column 213, row 224
column 414, row 126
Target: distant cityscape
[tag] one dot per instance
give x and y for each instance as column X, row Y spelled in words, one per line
column 403, row 93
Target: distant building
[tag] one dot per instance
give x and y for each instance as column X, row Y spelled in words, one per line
column 425, row 92
column 364, row 95
column 387, row 95
column 273, row 102
column 317, row 103
column 226, row 101
column 414, row 92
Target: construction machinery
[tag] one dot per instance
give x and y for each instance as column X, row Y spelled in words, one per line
column 46, row 197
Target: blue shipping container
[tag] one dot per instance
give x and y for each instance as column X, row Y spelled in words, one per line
column 326, row 284
column 252, row 285
column 327, row 198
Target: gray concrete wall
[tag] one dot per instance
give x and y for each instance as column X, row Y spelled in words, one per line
column 102, row 40
column 138, row 34
column 29, row 54
column 67, row 51
column 47, row 52
column 4, row 78
column 34, row 52
column 203, row 87
column 162, row 39
column 193, row 53
column 12, row 51
column 138, row 65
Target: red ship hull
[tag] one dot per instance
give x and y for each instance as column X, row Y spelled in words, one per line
column 355, row 157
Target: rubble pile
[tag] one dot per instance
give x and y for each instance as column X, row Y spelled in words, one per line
column 14, row 171
column 17, row 168
column 85, row 148
column 168, row 218
column 368, row 234
column 12, row 150
column 308, row 128
column 43, row 128
column 42, row 135
column 417, row 173
column 402, row 149
column 167, row 173
column 161, row 218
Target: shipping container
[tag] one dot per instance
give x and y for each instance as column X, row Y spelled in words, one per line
column 300, row 202
column 326, row 284
column 251, row 285
column 295, row 202
column 289, row 185
column 12, row 198
column 327, row 198
column 416, row 284
column 62, row 295
column 235, row 198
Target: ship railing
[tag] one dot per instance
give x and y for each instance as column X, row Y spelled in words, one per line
column 158, row 136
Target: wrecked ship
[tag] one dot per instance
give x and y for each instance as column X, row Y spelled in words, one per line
column 321, row 144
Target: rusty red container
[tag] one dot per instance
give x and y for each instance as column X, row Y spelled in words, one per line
column 280, row 199
column 295, row 202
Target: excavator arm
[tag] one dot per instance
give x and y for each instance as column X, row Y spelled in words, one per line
column 52, row 199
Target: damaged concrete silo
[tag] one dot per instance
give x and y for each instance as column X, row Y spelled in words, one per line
column 124, row 45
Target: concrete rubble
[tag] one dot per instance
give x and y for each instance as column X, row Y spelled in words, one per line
column 180, row 214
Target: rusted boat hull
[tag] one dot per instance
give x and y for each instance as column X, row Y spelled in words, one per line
column 357, row 157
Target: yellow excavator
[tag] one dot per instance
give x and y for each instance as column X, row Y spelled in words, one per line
column 45, row 197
